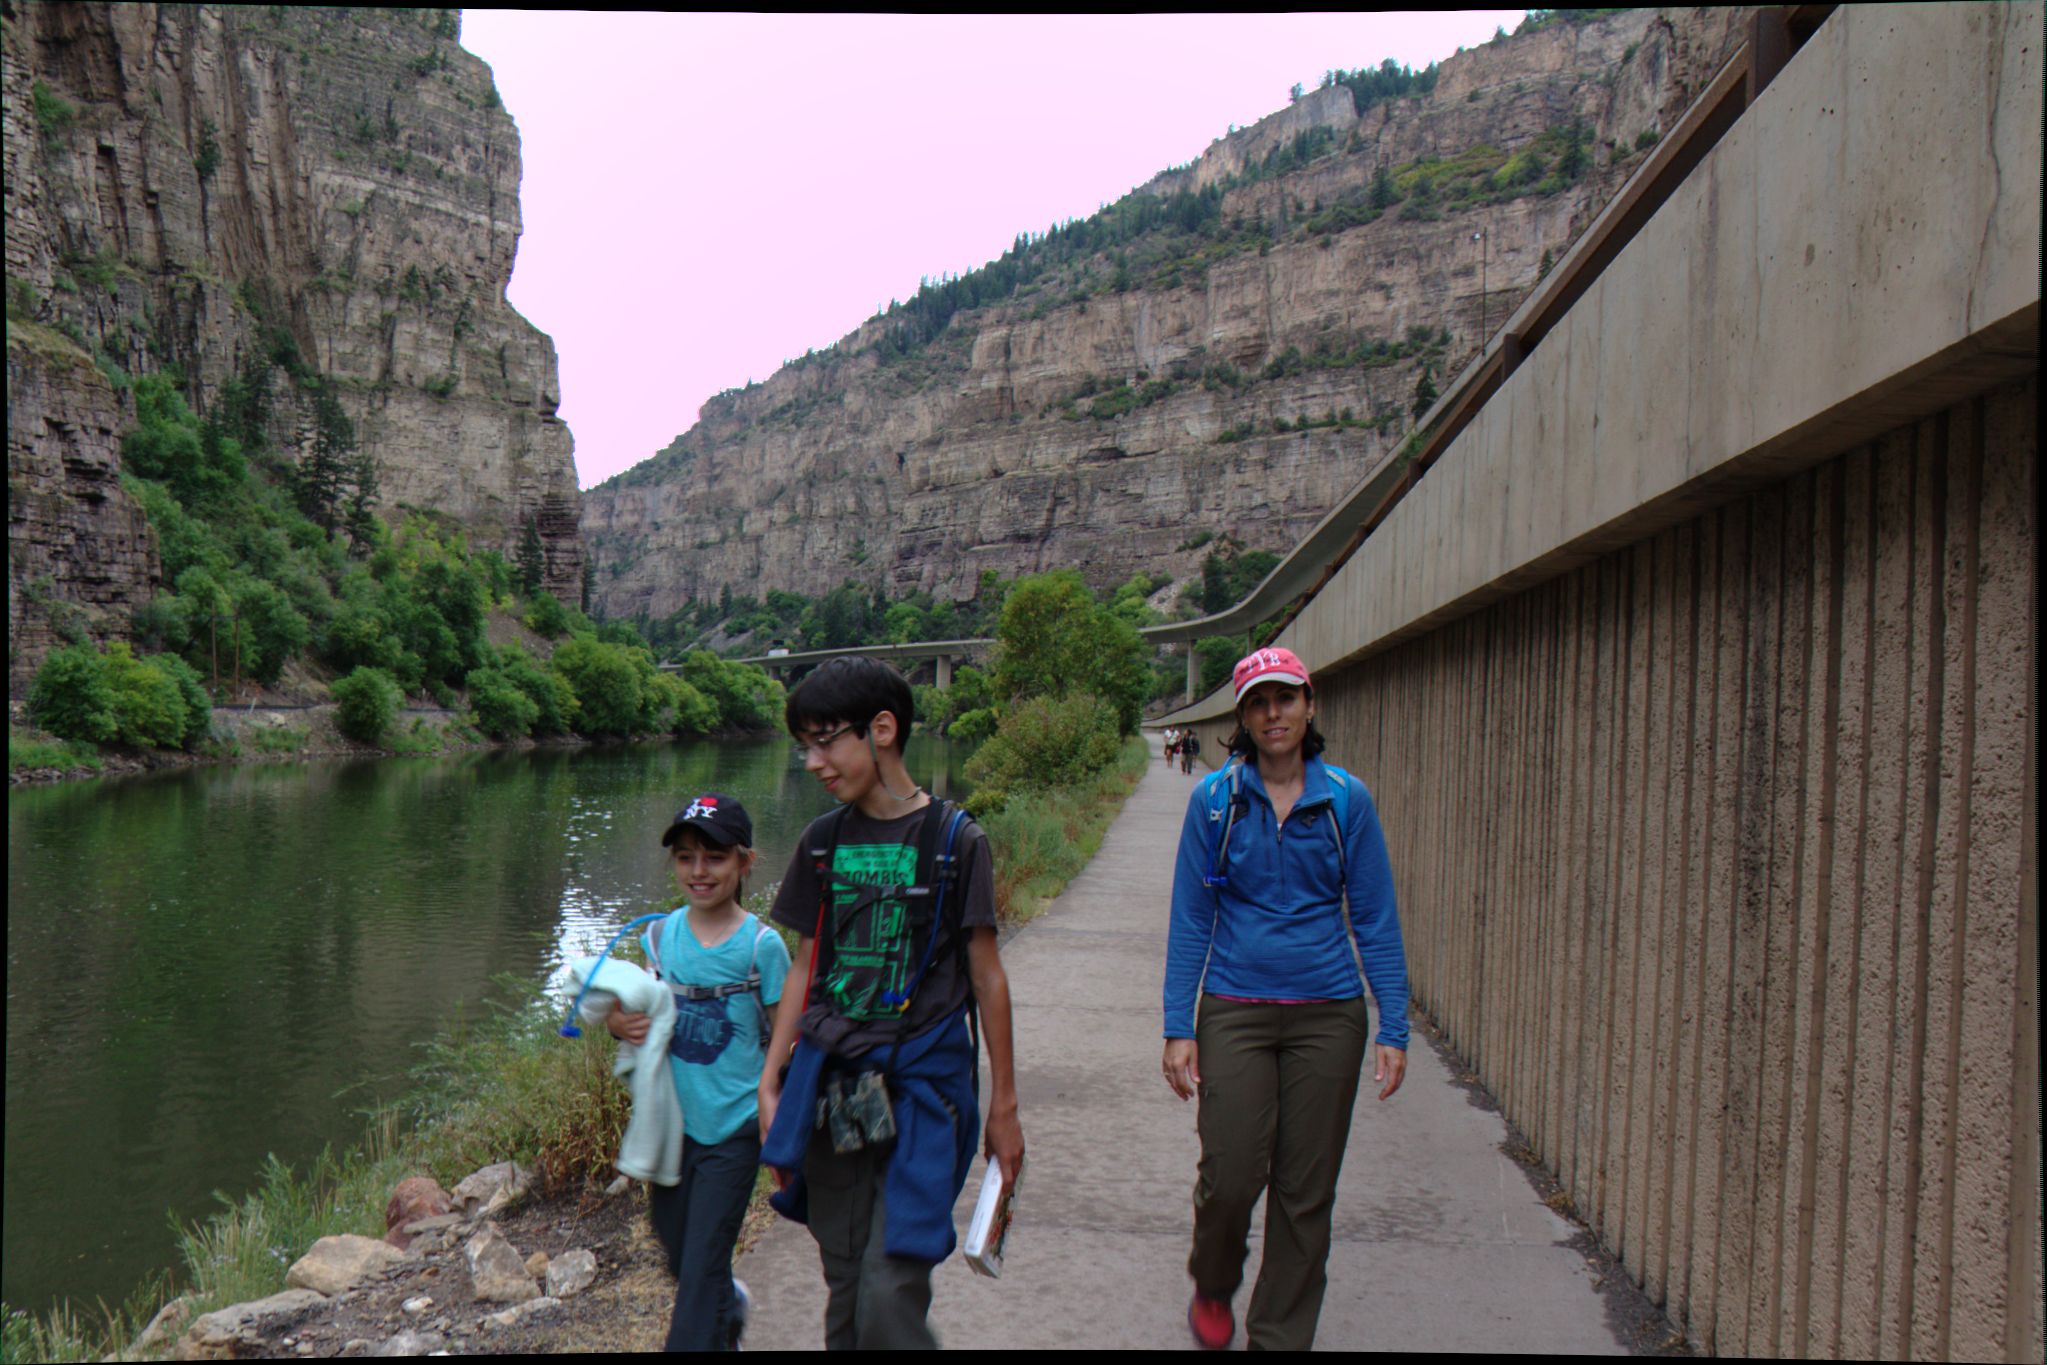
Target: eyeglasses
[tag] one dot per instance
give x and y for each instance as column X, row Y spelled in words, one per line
column 819, row 743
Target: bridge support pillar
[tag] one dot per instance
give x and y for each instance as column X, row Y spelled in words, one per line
column 944, row 671
column 1193, row 671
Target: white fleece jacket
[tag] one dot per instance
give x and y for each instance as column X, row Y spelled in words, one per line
column 652, row 1147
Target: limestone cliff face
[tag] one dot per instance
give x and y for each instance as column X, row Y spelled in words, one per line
column 210, row 186
column 919, row 472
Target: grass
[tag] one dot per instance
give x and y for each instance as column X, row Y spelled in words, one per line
column 31, row 750
column 1041, row 840
column 278, row 739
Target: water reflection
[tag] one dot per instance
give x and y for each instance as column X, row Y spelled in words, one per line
column 207, row 966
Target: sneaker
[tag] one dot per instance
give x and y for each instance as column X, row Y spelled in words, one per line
column 1213, row 1324
column 742, row 1309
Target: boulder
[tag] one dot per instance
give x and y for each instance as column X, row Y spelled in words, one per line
column 226, row 1332
column 570, row 1273
column 496, row 1273
column 163, row 1327
column 334, row 1264
column 416, row 1197
column 536, row 1264
column 486, row 1192
column 416, row 1305
column 411, row 1343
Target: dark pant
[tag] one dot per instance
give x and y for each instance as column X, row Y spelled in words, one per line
column 1277, row 1086
column 876, row 1301
column 697, row 1220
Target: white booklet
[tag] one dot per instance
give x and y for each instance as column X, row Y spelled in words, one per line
column 989, row 1228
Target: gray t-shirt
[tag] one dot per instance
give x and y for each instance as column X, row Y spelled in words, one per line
column 881, row 945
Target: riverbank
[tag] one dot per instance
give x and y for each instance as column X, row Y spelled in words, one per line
column 508, row 1088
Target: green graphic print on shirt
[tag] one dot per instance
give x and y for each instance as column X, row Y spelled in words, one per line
column 874, row 954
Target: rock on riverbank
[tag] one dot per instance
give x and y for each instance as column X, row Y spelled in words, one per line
column 581, row 1272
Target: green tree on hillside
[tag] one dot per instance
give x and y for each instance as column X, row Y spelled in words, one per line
column 1055, row 639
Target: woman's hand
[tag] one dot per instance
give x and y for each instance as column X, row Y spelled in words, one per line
column 1183, row 1066
column 627, row 1027
column 1391, row 1070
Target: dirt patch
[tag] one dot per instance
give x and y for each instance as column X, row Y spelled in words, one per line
column 1637, row 1322
column 626, row 1309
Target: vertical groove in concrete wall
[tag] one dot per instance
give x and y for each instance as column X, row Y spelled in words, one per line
column 1715, row 858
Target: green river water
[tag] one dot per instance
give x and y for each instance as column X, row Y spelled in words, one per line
column 207, row 966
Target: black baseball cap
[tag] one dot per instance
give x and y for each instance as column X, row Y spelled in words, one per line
column 717, row 817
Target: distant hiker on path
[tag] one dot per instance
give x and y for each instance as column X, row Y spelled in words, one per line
column 725, row 969
column 1273, row 847
column 872, row 1128
column 1190, row 749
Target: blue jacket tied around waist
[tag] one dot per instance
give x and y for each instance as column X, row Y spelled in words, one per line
column 938, row 1123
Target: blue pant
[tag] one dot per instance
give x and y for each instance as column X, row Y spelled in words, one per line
column 697, row 1220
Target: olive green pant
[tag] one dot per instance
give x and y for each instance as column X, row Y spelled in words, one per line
column 1277, row 1086
column 874, row 1301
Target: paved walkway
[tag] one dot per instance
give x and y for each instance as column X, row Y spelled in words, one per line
column 1440, row 1244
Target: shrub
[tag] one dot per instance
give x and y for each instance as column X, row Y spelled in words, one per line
column 607, row 681
column 70, row 696
column 553, row 699
column 502, row 710
column 547, row 617
column 973, row 727
column 1044, row 742
column 366, row 703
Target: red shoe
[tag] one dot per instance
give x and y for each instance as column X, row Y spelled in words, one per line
column 1213, row 1324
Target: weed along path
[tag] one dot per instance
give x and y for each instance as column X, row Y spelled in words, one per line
column 1440, row 1240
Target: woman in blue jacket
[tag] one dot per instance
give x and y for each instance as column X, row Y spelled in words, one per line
column 1272, row 848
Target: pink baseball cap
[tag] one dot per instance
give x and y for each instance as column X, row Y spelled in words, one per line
column 1267, row 665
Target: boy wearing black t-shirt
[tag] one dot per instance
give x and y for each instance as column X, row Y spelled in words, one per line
column 896, row 944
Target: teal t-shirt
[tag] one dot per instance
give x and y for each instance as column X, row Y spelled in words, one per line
column 718, row 1046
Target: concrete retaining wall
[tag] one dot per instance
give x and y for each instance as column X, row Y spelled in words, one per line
column 1713, row 858
column 1695, row 684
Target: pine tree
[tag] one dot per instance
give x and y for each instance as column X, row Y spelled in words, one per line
column 361, row 519
column 324, row 471
column 1383, row 193
column 531, row 562
column 1424, row 393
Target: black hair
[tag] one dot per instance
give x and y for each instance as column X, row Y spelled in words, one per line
column 1243, row 746
column 852, row 691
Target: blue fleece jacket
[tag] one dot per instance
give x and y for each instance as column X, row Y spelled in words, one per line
column 1275, row 931
column 938, row 1123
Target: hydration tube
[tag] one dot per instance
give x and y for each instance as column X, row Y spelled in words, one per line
column 568, row 1028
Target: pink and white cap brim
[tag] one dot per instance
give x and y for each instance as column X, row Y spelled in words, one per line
column 1271, row 675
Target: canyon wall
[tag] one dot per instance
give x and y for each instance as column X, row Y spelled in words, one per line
column 331, row 195
column 979, row 450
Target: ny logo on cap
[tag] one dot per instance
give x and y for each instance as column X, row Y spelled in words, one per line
column 704, row 807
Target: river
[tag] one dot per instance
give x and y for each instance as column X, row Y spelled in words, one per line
column 210, row 965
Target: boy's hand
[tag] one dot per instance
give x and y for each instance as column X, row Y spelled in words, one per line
column 627, row 1027
column 1005, row 1144
column 770, row 1100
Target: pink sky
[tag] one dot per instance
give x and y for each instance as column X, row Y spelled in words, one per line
column 707, row 195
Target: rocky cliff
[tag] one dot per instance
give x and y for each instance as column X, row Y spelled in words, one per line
column 1239, row 378
column 329, row 194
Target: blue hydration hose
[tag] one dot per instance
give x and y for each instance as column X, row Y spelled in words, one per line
column 568, row 1028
